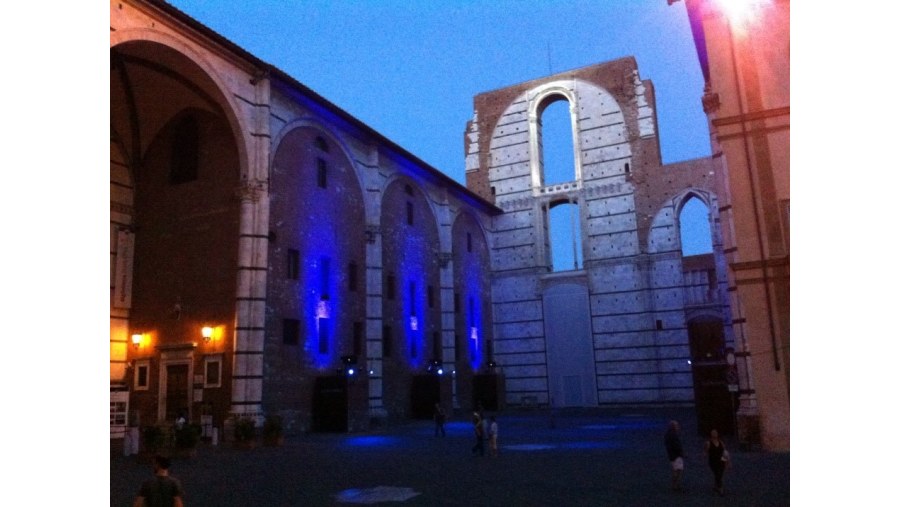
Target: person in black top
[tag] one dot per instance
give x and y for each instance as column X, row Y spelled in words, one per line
column 162, row 490
column 478, row 448
column 718, row 458
column 439, row 418
column 675, row 453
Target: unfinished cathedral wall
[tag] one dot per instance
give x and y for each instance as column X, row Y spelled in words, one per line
column 630, row 244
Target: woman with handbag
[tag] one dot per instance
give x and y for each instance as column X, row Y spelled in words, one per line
column 718, row 459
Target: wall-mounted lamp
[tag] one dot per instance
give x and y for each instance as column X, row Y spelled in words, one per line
column 136, row 340
column 349, row 363
column 207, row 333
column 435, row 367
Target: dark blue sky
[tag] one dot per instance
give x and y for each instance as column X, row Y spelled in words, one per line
column 409, row 69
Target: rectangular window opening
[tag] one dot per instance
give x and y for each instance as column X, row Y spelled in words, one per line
column 141, row 375
column 391, row 287
column 352, row 276
column 212, row 374
column 290, row 334
column 358, row 338
column 293, row 264
column 386, row 341
column 436, row 345
column 321, row 173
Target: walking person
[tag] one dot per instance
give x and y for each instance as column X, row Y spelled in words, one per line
column 162, row 490
column 718, row 459
column 478, row 448
column 675, row 453
column 439, row 419
column 492, row 437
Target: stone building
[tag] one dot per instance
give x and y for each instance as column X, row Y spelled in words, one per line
column 628, row 325
column 744, row 52
column 272, row 255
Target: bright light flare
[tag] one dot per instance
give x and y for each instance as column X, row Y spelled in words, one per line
column 742, row 12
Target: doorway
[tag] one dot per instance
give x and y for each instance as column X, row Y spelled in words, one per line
column 712, row 400
column 177, row 402
column 570, row 350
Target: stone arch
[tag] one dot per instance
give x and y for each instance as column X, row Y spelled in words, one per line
column 333, row 138
column 411, row 263
column 458, row 214
column 136, row 128
column 471, row 268
column 543, row 97
column 681, row 200
column 223, row 94
column 321, row 223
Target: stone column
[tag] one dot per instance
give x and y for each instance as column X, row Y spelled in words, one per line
column 250, row 301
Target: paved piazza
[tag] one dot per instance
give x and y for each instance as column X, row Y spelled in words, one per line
column 591, row 457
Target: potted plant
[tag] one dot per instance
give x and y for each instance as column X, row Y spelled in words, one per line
column 186, row 439
column 244, row 432
column 273, row 431
column 153, row 440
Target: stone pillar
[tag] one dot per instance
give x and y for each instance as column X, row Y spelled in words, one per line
column 249, row 339
column 374, row 321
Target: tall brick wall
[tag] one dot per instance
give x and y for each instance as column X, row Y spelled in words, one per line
column 318, row 216
column 185, row 252
column 411, row 269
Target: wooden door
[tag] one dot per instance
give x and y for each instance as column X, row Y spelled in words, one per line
column 176, row 391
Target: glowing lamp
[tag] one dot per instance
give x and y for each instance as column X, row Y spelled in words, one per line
column 436, row 367
column 414, row 323
column 323, row 308
column 349, row 363
column 136, row 340
column 207, row 333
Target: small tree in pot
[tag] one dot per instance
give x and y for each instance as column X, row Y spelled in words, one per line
column 244, row 432
column 273, row 431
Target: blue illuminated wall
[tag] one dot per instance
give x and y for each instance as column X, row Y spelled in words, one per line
column 317, row 209
column 410, row 261
column 472, row 308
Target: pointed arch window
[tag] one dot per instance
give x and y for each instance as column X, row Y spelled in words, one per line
column 696, row 236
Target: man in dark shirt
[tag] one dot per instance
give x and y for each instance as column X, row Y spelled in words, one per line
column 162, row 490
column 676, row 453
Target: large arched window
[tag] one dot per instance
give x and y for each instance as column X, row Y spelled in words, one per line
column 557, row 150
column 565, row 237
column 696, row 237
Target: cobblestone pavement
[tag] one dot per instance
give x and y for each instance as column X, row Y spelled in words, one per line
column 590, row 457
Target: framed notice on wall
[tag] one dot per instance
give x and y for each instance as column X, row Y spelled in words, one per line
column 123, row 270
